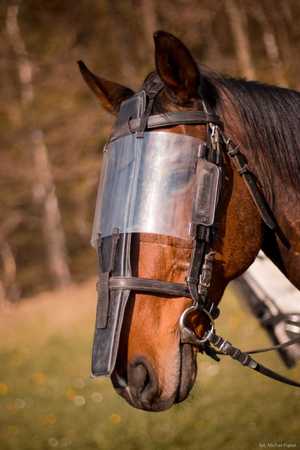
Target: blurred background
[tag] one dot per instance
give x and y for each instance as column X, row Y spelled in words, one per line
column 52, row 132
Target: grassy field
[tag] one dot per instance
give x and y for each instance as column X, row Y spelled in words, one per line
column 47, row 399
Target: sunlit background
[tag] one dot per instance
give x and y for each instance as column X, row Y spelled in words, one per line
column 52, row 131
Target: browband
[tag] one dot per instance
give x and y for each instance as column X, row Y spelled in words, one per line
column 166, row 120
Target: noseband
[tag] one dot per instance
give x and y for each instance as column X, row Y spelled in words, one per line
column 114, row 249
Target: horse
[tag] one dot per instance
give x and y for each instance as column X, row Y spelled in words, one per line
column 153, row 369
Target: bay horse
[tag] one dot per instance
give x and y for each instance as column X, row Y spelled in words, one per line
column 153, row 369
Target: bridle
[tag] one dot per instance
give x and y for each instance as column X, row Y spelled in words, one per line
column 115, row 286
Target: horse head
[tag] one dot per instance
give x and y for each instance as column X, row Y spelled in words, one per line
column 153, row 368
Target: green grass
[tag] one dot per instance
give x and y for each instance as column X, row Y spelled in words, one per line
column 47, row 399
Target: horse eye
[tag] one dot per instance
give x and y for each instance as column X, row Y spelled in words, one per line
column 179, row 179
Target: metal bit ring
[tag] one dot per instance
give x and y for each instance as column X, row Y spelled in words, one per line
column 188, row 336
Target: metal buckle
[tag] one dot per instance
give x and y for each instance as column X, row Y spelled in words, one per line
column 188, row 336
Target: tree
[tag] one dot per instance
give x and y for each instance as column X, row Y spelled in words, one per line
column 238, row 24
column 43, row 188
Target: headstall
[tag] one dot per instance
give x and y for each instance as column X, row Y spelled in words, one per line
column 116, row 281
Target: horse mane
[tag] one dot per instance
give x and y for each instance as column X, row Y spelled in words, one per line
column 270, row 119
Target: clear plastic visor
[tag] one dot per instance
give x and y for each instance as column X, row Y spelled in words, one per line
column 147, row 185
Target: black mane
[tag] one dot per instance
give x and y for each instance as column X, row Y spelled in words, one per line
column 270, row 118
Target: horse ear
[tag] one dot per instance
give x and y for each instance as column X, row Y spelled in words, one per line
column 109, row 93
column 176, row 66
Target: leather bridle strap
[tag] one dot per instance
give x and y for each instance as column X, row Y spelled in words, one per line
column 149, row 285
column 275, row 347
column 241, row 165
column 249, row 178
column 166, row 120
column 181, row 118
column 225, row 348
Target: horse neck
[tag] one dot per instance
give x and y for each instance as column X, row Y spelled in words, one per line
column 281, row 196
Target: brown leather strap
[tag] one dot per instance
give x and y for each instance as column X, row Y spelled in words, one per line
column 275, row 347
column 258, row 198
column 225, row 348
column 182, row 118
column 102, row 300
column 166, row 120
column 149, row 285
column 264, row 210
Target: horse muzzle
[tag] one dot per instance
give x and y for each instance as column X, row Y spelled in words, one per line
column 144, row 387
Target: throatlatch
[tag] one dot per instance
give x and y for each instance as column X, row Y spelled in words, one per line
column 165, row 183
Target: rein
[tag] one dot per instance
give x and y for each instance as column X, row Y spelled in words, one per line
column 198, row 280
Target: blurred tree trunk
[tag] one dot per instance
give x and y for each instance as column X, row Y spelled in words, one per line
column 149, row 17
column 238, row 24
column 3, row 299
column 286, row 28
column 270, row 43
column 121, row 42
column 44, row 194
column 9, row 289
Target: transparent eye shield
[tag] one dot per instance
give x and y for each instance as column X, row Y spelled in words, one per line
column 149, row 185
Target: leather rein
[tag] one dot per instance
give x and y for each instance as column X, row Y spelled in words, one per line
column 203, row 233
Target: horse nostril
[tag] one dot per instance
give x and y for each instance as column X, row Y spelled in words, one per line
column 139, row 377
column 142, row 380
